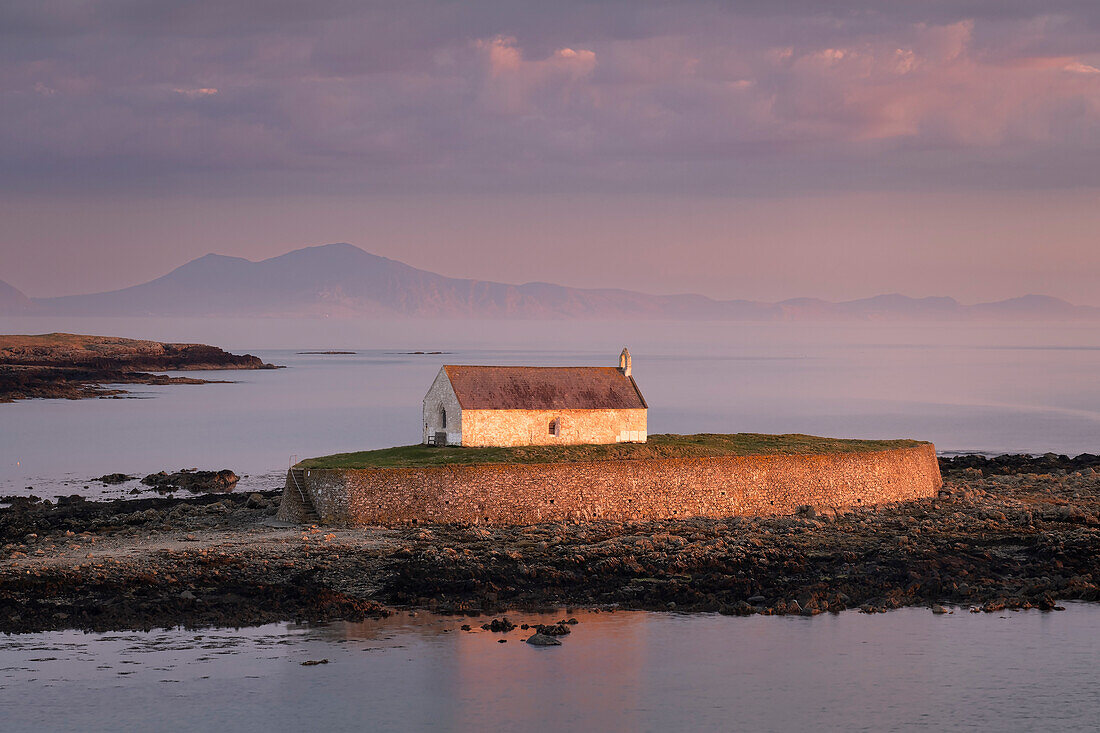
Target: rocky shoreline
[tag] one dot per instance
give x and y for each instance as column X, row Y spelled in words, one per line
column 71, row 366
column 1005, row 533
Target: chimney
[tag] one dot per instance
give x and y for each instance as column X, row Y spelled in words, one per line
column 624, row 362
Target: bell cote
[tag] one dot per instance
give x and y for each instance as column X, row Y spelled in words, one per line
column 624, row 362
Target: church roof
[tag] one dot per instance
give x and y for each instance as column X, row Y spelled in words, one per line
column 544, row 388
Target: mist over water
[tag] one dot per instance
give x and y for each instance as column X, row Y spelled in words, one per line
column 966, row 387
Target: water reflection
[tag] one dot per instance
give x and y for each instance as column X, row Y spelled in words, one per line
column 623, row 671
column 482, row 679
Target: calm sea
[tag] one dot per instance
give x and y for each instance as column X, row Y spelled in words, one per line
column 987, row 388
column 1001, row 388
column 627, row 671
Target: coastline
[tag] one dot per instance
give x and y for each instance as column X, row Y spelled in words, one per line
column 73, row 366
column 1001, row 534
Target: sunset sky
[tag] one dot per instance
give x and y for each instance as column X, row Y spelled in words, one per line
column 759, row 149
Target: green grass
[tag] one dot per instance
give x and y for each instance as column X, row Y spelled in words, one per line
column 658, row 446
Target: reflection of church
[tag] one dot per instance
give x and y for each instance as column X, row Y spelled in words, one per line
column 458, row 680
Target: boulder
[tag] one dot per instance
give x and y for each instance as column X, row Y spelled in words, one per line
column 540, row 639
column 196, row 482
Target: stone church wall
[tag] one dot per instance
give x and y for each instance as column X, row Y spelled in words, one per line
column 618, row 490
column 532, row 427
column 441, row 396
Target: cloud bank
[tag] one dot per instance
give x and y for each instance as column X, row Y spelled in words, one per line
column 741, row 97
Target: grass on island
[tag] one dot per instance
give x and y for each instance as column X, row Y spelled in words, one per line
column 658, row 446
column 69, row 340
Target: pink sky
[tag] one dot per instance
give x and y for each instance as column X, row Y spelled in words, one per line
column 749, row 149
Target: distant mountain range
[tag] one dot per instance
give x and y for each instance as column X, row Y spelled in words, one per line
column 343, row 280
column 12, row 301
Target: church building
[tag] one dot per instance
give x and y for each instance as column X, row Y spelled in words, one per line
column 519, row 405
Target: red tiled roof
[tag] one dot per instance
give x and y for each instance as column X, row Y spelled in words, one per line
column 543, row 388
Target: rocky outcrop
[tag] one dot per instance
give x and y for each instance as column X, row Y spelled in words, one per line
column 1015, row 463
column 194, row 481
column 984, row 543
column 72, row 366
column 67, row 350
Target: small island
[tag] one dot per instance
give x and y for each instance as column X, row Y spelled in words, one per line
column 74, row 366
column 666, row 477
column 528, row 444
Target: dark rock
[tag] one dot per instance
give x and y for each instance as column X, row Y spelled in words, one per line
column 115, row 478
column 24, row 500
column 193, row 481
column 960, row 551
column 559, row 629
column 539, row 639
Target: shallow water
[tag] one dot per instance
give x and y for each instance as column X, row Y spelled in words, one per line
column 902, row 670
column 967, row 387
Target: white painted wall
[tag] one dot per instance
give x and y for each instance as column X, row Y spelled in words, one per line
column 441, row 396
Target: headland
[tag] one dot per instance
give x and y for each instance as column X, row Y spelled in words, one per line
column 74, row 366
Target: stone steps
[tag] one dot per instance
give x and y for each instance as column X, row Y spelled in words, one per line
column 297, row 483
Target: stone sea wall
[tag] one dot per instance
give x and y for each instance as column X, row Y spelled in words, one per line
column 618, row 490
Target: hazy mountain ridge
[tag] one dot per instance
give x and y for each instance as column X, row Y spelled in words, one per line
column 343, row 280
column 12, row 300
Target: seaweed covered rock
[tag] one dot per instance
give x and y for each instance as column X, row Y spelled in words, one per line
column 196, row 482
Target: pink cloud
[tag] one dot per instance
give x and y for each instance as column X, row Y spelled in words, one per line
column 496, row 94
column 196, row 93
column 519, row 86
column 1078, row 67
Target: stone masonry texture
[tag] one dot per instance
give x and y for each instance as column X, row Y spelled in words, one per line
column 531, row 427
column 616, row 490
